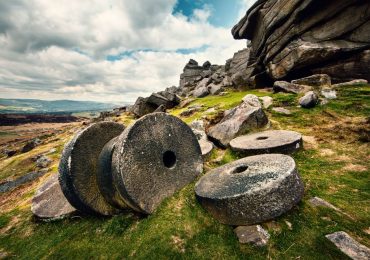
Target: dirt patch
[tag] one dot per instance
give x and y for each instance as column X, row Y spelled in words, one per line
column 178, row 243
column 355, row 167
column 310, row 142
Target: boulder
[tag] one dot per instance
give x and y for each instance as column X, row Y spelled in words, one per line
column 284, row 86
column 215, row 89
column 206, row 65
column 191, row 71
column 30, row 145
column 266, row 101
column 201, row 92
column 240, row 120
column 272, row 141
column 10, row 152
column 142, row 107
column 355, row 82
column 203, row 83
column 293, row 39
column 329, row 93
column 28, row 177
column 251, row 190
column 161, row 108
column 281, row 110
column 254, row 235
column 309, row 100
column 49, row 201
column 317, row 81
column 349, row 246
column 43, row 161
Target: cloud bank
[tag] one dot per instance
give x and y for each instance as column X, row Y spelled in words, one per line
column 108, row 51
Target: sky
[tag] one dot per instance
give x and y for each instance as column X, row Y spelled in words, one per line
column 109, row 51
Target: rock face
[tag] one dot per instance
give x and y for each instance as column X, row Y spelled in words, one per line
column 236, row 67
column 251, row 190
column 158, row 102
column 273, row 141
column 49, row 201
column 291, row 39
column 155, row 157
column 349, row 246
column 241, row 119
column 254, row 235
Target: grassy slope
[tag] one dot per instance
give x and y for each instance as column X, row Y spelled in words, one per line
column 334, row 165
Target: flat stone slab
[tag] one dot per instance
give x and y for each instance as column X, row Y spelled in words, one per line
column 349, row 246
column 49, row 201
column 254, row 235
column 155, row 157
column 251, row 190
column 272, row 141
column 78, row 168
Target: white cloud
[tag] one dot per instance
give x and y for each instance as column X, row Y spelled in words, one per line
column 54, row 50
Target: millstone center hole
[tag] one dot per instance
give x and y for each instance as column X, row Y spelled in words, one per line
column 169, row 159
column 262, row 138
column 239, row 169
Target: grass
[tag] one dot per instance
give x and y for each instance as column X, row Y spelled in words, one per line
column 334, row 165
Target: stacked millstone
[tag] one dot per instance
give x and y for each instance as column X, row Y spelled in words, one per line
column 107, row 168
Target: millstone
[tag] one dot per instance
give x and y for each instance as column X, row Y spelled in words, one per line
column 251, row 190
column 49, row 201
column 273, row 141
column 79, row 165
column 156, row 156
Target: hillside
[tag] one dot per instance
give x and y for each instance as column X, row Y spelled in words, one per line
column 36, row 106
column 334, row 164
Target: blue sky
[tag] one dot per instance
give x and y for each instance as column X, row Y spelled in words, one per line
column 112, row 50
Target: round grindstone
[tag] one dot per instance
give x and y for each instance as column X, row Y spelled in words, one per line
column 79, row 165
column 251, row 190
column 273, row 141
column 49, row 201
column 156, row 156
column 104, row 176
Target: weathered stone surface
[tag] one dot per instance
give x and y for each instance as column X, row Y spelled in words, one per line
column 247, row 116
column 199, row 130
column 317, row 81
column 316, row 201
column 156, row 156
column 349, row 246
column 161, row 108
column 283, row 86
column 309, row 100
column 282, row 110
column 266, row 101
column 291, row 39
column 272, row 141
column 78, row 168
column 11, row 185
column 49, row 201
column 351, row 83
column 215, row 89
column 251, row 190
column 254, row 235
column 201, row 92
column 142, row 107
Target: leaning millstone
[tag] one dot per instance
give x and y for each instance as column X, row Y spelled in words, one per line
column 349, row 246
column 272, row 141
column 251, row 190
column 255, row 235
column 49, row 201
column 78, row 168
column 155, row 157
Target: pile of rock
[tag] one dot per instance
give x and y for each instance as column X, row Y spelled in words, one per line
column 290, row 39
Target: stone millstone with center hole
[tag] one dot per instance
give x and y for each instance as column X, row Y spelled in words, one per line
column 273, row 141
column 154, row 157
column 251, row 190
column 78, row 168
column 49, row 201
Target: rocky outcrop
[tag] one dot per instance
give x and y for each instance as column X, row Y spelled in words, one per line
column 291, row 39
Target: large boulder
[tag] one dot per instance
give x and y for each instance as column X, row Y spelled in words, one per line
column 318, row 81
column 291, row 39
column 240, row 120
column 283, row 86
column 251, row 190
column 309, row 100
